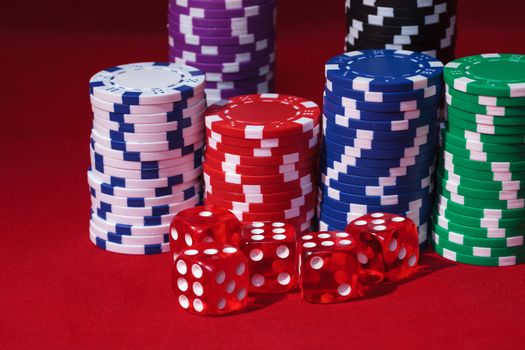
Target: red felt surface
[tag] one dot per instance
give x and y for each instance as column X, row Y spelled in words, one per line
column 58, row 291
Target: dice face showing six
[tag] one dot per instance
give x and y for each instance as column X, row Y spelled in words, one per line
column 387, row 245
column 270, row 249
column 204, row 224
column 211, row 279
column 328, row 268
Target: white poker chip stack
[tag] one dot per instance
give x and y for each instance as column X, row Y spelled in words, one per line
column 146, row 152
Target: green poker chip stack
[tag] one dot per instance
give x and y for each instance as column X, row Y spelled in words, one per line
column 479, row 215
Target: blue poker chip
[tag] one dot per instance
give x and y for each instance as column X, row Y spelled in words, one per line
column 392, row 153
column 379, row 135
column 338, row 161
column 363, row 190
column 370, row 177
column 381, row 116
column 371, row 96
column 344, row 102
column 394, row 145
column 384, row 70
column 344, row 199
column 145, row 220
column 147, row 83
column 129, row 230
column 117, row 238
column 384, row 125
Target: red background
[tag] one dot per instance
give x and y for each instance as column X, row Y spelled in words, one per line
column 59, row 291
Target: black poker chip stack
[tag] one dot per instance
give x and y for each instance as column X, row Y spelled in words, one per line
column 427, row 26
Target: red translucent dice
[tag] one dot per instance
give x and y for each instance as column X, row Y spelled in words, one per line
column 211, row 279
column 270, row 249
column 328, row 268
column 204, row 224
column 387, row 246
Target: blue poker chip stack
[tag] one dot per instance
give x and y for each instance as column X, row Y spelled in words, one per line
column 232, row 41
column 380, row 126
column 146, row 151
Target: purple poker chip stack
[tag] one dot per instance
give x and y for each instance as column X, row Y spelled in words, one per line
column 232, row 41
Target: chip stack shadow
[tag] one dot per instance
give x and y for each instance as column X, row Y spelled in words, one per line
column 232, row 41
column 380, row 127
column 146, row 151
column 479, row 217
column 261, row 158
column 427, row 26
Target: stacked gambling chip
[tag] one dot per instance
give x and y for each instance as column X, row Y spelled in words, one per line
column 381, row 111
column 146, row 151
column 232, row 41
column 480, row 211
column 427, row 26
column 261, row 158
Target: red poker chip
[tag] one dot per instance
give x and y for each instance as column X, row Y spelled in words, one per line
column 309, row 199
column 294, row 217
column 260, row 170
column 253, row 179
column 263, row 143
column 311, row 144
column 261, row 161
column 258, row 188
column 262, row 116
column 262, row 198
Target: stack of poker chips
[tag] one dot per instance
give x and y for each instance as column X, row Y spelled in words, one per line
column 427, row 26
column 381, row 112
column 233, row 42
column 261, row 158
column 479, row 216
column 146, row 151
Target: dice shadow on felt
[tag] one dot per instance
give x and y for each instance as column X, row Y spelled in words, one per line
column 256, row 302
column 428, row 263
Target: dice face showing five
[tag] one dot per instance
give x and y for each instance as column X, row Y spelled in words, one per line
column 204, row 224
column 211, row 279
column 387, row 246
column 270, row 249
column 328, row 268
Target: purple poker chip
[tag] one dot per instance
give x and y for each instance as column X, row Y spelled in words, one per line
column 177, row 27
column 227, row 93
column 246, row 74
column 229, row 67
column 218, row 4
column 239, row 84
column 238, row 22
column 248, row 11
column 219, row 41
column 221, row 50
column 238, row 57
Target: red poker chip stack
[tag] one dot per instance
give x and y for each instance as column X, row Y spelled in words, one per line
column 261, row 158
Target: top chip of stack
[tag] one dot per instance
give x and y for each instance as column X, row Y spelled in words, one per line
column 146, row 152
column 427, row 26
column 261, row 158
column 479, row 217
column 233, row 42
column 381, row 110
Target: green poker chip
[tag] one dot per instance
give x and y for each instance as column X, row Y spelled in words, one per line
column 514, row 241
column 489, row 186
column 475, row 260
column 475, row 136
column 479, row 222
column 481, row 146
column 484, row 128
column 480, row 174
column 481, row 203
column 502, row 167
column 482, row 156
column 477, row 232
column 486, row 100
column 474, row 251
column 470, row 192
column 488, row 110
column 484, row 119
column 488, row 74
column 482, row 213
